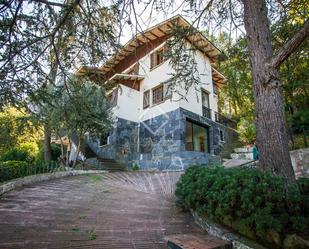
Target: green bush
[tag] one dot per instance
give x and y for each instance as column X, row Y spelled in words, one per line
column 12, row 169
column 135, row 167
column 24, row 152
column 256, row 204
column 55, row 151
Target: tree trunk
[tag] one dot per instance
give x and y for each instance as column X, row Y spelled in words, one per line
column 47, row 146
column 272, row 138
column 77, row 150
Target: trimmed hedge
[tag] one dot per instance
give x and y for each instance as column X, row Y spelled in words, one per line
column 256, row 204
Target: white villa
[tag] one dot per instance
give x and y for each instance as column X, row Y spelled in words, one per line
column 154, row 127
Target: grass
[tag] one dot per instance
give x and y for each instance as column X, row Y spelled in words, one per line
column 95, row 178
column 91, row 235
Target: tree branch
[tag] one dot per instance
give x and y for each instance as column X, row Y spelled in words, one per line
column 50, row 3
column 290, row 46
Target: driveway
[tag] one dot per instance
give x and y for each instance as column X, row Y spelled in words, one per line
column 112, row 210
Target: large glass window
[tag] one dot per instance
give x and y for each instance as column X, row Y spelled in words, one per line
column 196, row 137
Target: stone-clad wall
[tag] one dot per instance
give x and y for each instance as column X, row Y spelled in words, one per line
column 122, row 142
column 162, row 141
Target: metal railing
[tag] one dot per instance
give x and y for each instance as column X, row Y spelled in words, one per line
column 206, row 112
column 219, row 118
column 10, row 170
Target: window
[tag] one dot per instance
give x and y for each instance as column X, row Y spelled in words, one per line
column 196, row 137
column 215, row 89
column 157, row 95
column 157, row 57
column 221, row 135
column 167, row 90
column 146, row 99
column 205, row 98
column 104, row 139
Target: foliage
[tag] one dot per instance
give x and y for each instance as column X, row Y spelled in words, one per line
column 15, row 169
column 254, row 203
column 236, row 98
column 55, row 153
column 26, row 152
column 16, row 127
column 247, row 132
column 80, row 107
column 135, row 167
column 300, row 120
column 42, row 42
column 12, row 169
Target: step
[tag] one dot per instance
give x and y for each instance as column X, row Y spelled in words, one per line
column 243, row 150
column 248, row 156
column 196, row 240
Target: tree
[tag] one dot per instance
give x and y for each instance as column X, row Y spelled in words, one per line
column 17, row 127
column 78, row 107
column 272, row 136
column 44, row 42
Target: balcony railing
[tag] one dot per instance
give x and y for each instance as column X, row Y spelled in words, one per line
column 206, row 112
column 225, row 121
column 219, row 118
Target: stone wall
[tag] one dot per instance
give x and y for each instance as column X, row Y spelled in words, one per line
column 162, row 141
column 300, row 162
column 27, row 180
column 122, row 142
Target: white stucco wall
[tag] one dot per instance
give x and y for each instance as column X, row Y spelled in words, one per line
column 130, row 102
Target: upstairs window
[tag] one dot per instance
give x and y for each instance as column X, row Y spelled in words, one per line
column 167, row 90
column 205, row 99
column 157, row 57
column 215, row 89
column 157, row 95
column 146, row 99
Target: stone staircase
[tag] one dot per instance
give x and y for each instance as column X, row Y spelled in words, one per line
column 196, row 240
column 93, row 161
column 242, row 156
column 108, row 164
column 245, row 153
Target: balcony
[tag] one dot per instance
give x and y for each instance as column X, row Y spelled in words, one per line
column 219, row 118
column 206, row 112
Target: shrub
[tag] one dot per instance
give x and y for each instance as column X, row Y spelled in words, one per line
column 12, row 169
column 135, row 167
column 24, row 152
column 256, row 204
column 55, row 151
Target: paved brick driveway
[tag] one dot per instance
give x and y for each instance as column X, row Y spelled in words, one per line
column 114, row 210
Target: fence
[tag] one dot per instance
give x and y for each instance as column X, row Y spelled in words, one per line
column 14, row 169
